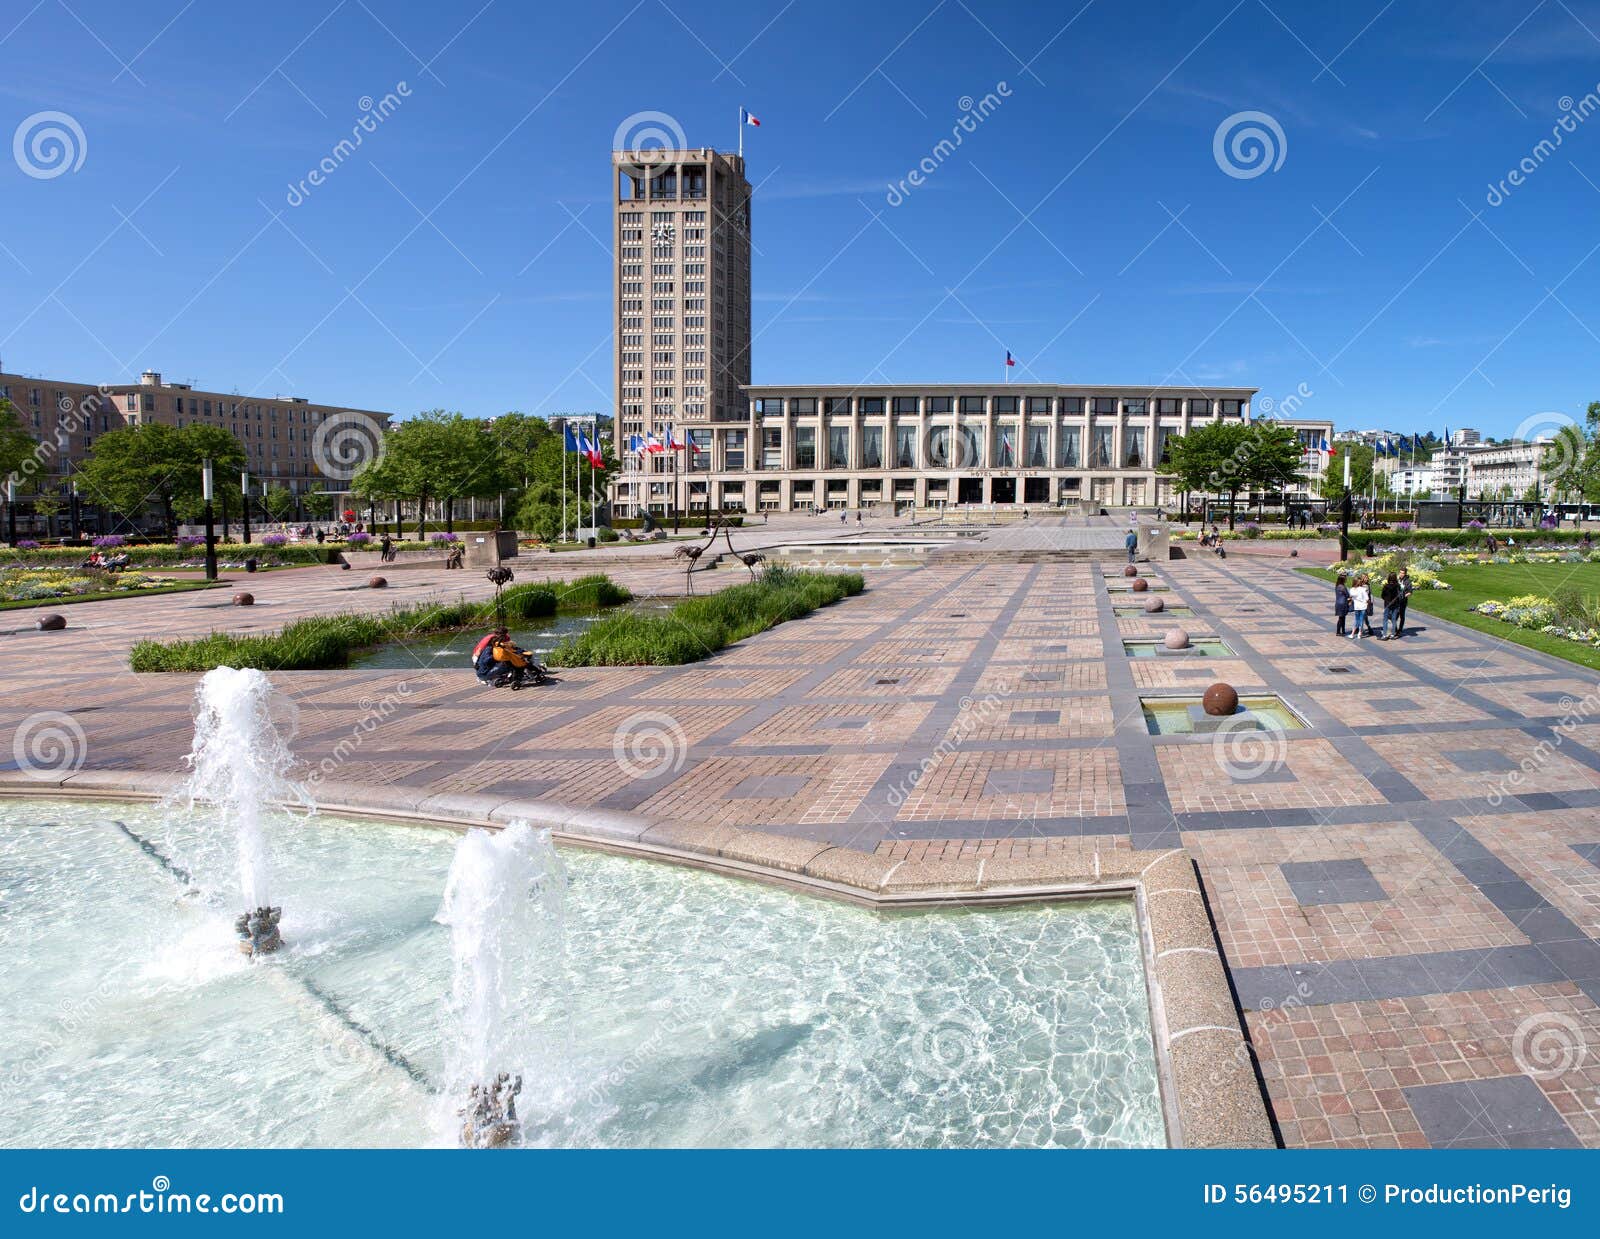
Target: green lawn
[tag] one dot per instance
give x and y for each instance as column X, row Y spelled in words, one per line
column 1472, row 585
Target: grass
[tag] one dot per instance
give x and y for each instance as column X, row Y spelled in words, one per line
column 321, row 641
column 104, row 595
column 1470, row 585
column 699, row 627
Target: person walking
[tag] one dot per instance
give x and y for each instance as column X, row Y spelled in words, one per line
column 1405, row 597
column 1391, row 608
column 1341, row 605
column 1132, row 543
column 1360, row 600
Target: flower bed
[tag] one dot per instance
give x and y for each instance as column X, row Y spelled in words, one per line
column 1541, row 614
column 43, row 585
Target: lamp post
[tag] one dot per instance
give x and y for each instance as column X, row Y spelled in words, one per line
column 1344, row 513
column 244, row 489
column 72, row 506
column 211, row 528
column 11, row 511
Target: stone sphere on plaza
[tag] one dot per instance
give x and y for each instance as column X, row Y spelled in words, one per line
column 1140, row 585
column 52, row 622
column 1130, row 570
column 244, row 600
column 1221, row 699
column 1177, row 639
column 1153, row 604
column 376, row 582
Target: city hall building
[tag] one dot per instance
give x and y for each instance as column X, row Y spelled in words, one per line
column 683, row 289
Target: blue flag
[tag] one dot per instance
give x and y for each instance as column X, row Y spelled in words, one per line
column 571, row 439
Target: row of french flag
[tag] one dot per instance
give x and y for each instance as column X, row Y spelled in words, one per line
column 653, row 443
column 584, row 446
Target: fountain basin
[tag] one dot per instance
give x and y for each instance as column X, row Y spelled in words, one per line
column 1198, row 647
column 1185, row 716
column 702, row 1010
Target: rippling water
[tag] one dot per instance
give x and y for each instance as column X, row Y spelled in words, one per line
column 681, row 1009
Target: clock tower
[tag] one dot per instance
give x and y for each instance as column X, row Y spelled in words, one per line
column 682, row 274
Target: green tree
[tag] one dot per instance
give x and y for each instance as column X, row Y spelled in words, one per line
column 319, row 503
column 16, row 444
column 434, row 456
column 278, row 502
column 539, row 510
column 1212, row 459
column 1270, row 457
column 1360, row 456
column 131, row 468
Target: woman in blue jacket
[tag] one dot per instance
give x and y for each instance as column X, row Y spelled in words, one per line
column 1341, row 604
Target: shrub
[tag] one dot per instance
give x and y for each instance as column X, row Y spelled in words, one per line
column 607, row 534
column 323, row 641
column 108, row 540
column 274, row 539
column 702, row 626
column 359, row 539
column 27, row 544
column 1250, row 529
column 443, row 537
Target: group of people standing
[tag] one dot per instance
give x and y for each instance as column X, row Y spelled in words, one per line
column 1355, row 598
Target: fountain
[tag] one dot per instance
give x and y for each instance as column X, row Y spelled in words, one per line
column 503, row 903
column 239, row 763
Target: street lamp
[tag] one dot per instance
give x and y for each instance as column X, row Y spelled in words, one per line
column 211, row 528
column 1344, row 513
column 244, row 489
column 11, row 511
column 72, row 505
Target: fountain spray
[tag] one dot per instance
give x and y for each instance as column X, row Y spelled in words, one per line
column 239, row 763
column 503, row 902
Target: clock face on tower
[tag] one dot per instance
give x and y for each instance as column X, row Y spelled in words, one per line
column 661, row 233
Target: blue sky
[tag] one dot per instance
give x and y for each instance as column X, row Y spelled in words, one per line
column 460, row 257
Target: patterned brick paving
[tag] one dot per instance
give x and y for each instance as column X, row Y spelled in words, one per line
column 1402, row 890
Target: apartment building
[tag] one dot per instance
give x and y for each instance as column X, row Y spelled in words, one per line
column 288, row 441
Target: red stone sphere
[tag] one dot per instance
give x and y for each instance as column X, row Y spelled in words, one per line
column 52, row 623
column 1154, row 604
column 1177, row 639
column 244, row 600
column 1221, row 699
column 376, row 582
column 1130, row 570
column 1140, row 585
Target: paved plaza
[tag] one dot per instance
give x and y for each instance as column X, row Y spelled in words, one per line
column 1406, row 892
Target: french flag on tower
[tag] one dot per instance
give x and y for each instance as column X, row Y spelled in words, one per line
column 746, row 118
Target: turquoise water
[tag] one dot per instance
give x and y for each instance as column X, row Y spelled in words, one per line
column 1202, row 647
column 1169, row 716
column 454, row 649
column 682, row 1008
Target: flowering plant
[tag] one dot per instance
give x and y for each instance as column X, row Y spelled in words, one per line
column 27, row 544
column 110, row 539
column 274, row 539
column 443, row 537
column 359, row 539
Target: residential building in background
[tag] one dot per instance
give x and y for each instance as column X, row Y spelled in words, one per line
column 1465, row 437
column 682, row 285
column 288, row 441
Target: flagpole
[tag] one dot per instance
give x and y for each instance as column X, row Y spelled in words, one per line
column 741, row 132
column 563, row 482
column 594, row 522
